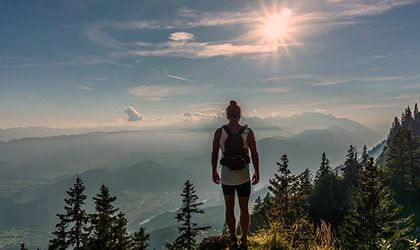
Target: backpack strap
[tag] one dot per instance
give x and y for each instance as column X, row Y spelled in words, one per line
column 242, row 130
column 229, row 132
column 227, row 129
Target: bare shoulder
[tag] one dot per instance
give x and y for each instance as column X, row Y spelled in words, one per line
column 218, row 132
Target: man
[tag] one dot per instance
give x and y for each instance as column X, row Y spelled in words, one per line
column 235, row 141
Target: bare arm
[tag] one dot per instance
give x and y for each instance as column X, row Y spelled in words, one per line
column 215, row 155
column 254, row 157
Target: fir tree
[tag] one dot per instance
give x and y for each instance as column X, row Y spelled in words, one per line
column 416, row 112
column 323, row 205
column 76, row 216
column 304, row 191
column 284, row 188
column 396, row 159
column 350, row 170
column 103, row 220
column 396, row 126
column 140, row 239
column 121, row 239
column 407, row 118
column 365, row 157
column 188, row 229
column 59, row 242
column 324, row 168
column 413, row 157
column 256, row 217
column 259, row 217
column 22, row 246
column 257, row 205
column 374, row 217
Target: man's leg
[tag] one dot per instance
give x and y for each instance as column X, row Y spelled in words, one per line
column 230, row 214
column 244, row 217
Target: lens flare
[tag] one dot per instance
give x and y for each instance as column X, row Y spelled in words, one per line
column 276, row 26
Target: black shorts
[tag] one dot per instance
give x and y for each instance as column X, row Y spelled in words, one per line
column 242, row 189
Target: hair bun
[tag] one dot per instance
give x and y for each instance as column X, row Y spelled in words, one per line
column 233, row 102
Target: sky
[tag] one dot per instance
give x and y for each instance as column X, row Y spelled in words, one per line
column 89, row 63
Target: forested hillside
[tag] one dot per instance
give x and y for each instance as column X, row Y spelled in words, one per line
column 367, row 203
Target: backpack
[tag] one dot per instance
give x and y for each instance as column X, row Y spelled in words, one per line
column 235, row 156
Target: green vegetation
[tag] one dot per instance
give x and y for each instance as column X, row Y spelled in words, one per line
column 104, row 229
column 361, row 205
column 188, row 230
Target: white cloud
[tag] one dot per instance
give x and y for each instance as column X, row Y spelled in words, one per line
column 275, row 90
column 160, row 91
column 377, row 58
column 322, row 111
column 133, row 114
column 181, row 36
column 89, row 86
column 198, row 115
column 201, row 50
column 312, row 19
column 182, row 78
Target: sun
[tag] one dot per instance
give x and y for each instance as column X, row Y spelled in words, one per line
column 276, row 27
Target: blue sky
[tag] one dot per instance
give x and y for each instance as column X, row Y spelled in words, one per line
column 145, row 63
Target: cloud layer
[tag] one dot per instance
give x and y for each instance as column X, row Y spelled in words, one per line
column 160, row 91
column 312, row 19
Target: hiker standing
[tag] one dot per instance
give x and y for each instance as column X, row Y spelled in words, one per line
column 235, row 141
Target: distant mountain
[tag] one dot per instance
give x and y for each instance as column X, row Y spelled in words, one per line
column 50, row 157
column 304, row 150
column 287, row 125
column 5, row 166
column 141, row 177
column 316, row 120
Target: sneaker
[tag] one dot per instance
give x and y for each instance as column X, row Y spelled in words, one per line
column 243, row 245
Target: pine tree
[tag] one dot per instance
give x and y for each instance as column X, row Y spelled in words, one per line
column 103, row 220
column 323, row 205
column 412, row 158
column 416, row 112
column 374, row 217
column 324, row 168
column 76, row 216
column 284, row 188
column 396, row 126
column 140, row 239
column 188, row 229
column 59, row 242
column 407, row 118
column 303, row 195
column 22, row 246
column 396, row 159
column 365, row 157
column 121, row 239
column 350, row 170
column 257, row 205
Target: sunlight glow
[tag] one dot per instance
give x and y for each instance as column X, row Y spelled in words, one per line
column 276, row 26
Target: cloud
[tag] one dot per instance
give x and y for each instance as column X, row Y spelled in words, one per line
column 275, row 90
column 133, row 114
column 200, row 50
column 197, row 115
column 160, row 91
column 182, row 78
column 181, row 36
column 378, row 58
column 327, row 81
column 314, row 19
column 89, row 86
